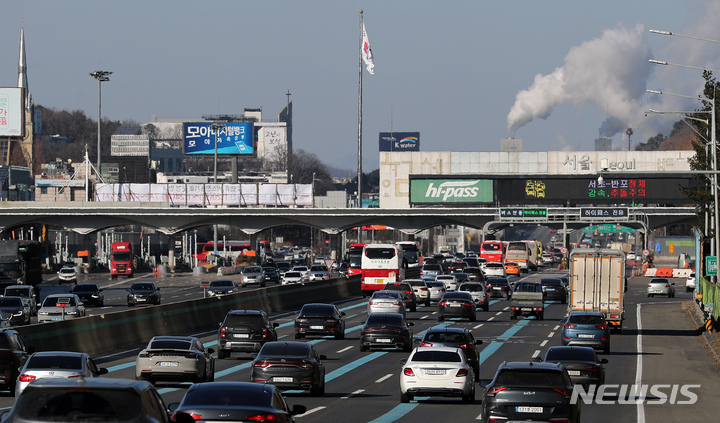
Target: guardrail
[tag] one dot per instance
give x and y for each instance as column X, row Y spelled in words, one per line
column 122, row 329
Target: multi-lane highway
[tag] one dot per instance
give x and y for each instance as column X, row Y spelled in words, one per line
column 659, row 345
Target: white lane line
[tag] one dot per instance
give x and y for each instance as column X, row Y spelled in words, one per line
column 638, row 371
column 551, row 334
column 389, row 375
column 344, row 349
column 478, row 326
column 352, row 394
column 490, row 318
column 536, row 353
column 556, row 327
column 424, row 317
column 310, row 412
column 506, row 309
column 542, row 344
column 498, row 313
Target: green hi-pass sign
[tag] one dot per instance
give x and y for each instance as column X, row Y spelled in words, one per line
column 451, row 191
column 711, row 266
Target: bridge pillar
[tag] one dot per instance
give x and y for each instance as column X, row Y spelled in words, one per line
column 254, row 246
column 334, row 246
column 171, row 251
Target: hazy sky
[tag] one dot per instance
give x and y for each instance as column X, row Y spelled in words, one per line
column 465, row 74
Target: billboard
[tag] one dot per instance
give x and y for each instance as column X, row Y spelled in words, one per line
column 11, row 112
column 236, row 138
column 454, row 191
column 399, row 141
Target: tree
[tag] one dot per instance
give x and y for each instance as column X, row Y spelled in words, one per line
column 652, row 144
column 303, row 165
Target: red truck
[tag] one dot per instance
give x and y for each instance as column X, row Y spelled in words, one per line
column 121, row 260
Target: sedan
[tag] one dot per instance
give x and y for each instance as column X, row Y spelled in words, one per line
column 437, row 371
column 475, row 274
column 320, row 319
column 67, row 274
column 386, row 302
column 56, row 307
column 271, row 274
column 436, row 290
column 252, row 275
column 690, row 282
column 234, row 402
column 495, row 269
column 15, row 310
column 478, row 294
column 512, row 268
column 56, row 364
column 527, row 391
column 175, row 358
column 498, row 287
column 89, row 294
column 386, row 330
column 456, row 304
column 587, row 329
column 220, row 287
column 143, row 293
column 290, row 365
column 581, row 363
column 661, row 286
column 293, row 277
column 450, row 282
column 554, row 290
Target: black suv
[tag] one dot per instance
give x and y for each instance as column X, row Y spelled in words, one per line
column 406, row 290
column 89, row 294
column 13, row 354
column 245, row 331
column 554, row 290
column 454, row 337
column 143, row 293
column 530, row 391
column 271, row 274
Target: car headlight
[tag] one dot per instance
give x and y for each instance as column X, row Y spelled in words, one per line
column 211, row 292
column 43, row 313
column 71, row 312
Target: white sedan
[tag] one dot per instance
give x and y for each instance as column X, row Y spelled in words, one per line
column 60, row 307
column 495, row 270
column 437, row 371
column 450, row 282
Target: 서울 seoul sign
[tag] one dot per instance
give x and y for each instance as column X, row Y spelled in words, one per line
column 435, row 191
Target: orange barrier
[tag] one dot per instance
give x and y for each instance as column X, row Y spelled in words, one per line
column 664, row 273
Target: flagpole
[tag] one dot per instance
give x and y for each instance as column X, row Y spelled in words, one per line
column 360, row 79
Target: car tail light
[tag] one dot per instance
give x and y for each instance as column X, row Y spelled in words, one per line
column 467, row 304
column 591, row 368
column 495, row 389
column 423, row 289
column 263, row 418
column 516, row 308
column 601, row 326
column 462, row 373
column 497, row 419
column 560, row 390
column 426, row 344
column 329, row 320
column 465, row 346
column 442, row 303
column 193, row 415
column 261, row 364
column 301, row 320
column 397, row 303
column 649, row 286
column 26, row 378
column 408, row 371
column 538, row 308
column 566, row 337
column 222, row 332
column 667, row 286
column 570, row 325
column 560, row 420
column 265, row 333
column 409, row 292
column 306, row 365
column 145, row 355
column 614, row 316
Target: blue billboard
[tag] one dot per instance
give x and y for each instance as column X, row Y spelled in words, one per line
column 235, row 138
column 399, row 141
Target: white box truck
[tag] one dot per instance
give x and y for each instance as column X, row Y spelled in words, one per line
column 598, row 283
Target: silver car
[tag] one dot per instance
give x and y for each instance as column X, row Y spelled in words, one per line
column 450, row 281
column 175, row 358
column 253, row 275
column 436, row 290
column 386, row 302
column 420, row 288
column 318, row 272
column 56, row 307
column 661, row 286
column 56, row 364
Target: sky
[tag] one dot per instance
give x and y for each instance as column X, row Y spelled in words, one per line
column 465, row 74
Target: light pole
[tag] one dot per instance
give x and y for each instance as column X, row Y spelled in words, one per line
column 101, row 76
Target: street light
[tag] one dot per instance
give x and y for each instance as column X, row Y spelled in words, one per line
column 101, row 76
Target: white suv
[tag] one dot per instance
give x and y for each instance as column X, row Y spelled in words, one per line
column 690, row 282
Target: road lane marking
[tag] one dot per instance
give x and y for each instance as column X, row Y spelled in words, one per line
column 352, row 394
column 536, row 353
column 498, row 313
column 478, row 326
column 308, row 412
column 543, row 343
column 382, row 379
column 491, row 318
column 556, row 327
column 344, row 349
column 551, row 334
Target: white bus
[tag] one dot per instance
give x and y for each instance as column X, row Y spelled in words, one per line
column 381, row 263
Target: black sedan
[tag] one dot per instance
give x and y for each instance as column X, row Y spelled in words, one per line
column 498, row 287
column 320, row 319
column 581, row 363
column 15, row 310
column 386, row 330
column 89, row 294
column 234, row 401
column 554, row 290
column 290, row 365
column 526, row 391
column 456, row 304
column 271, row 274
column 143, row 293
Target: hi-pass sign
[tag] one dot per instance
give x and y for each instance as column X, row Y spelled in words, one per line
column 560, row 190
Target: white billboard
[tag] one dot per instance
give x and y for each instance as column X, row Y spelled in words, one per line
column 11, row 112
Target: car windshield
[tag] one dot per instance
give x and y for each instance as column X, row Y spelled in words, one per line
column 227, row 396
column 319, row 268
column 247, row 319
column 447, row 337
column 457, row 296
column 380, row 253
column 142, row 287
column 570, row 354
column 253, row 269
column 384, row 319
column 170, row 344
column 471, row 287
column 57, row 301
column 387, row 294
column 431, row 267
column 586, row 319
column 56, row 404
column 17, row 292
column 292, row 274
column 317, row 310
column 269, row 269
column 85, row 288
column 546, row 282
column 434, row 284
column 528, row 287
column 11, row 302
column 439, row 356
column 63, row 362
column 67, row 270
column 221, row 283
column 530, row 378
column 285, row 349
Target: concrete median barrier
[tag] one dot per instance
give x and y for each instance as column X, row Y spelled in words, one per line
column 122, row 329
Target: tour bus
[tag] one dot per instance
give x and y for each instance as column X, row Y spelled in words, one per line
column 518, row 252
column 413, row 253
column 492, row 251
column 381, row 263
column 353, row 258
column 230, row 248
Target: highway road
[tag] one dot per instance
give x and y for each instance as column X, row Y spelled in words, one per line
column 364, row 386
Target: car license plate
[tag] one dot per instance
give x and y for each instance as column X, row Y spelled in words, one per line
column 385, row 340
column 241, row 335
column 526, row 309
column 549, row 289
column 55, row 319
column 497, row 288
column 574, row 372
column 454, row 305
column 168, row 364
column 381, row 281
column 317, row 327
column 586, row 335
column 529, row 409
column 282, row 379
column 140, row 299
column 434, row 371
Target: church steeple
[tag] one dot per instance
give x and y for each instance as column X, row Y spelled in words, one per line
column 22, row 69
